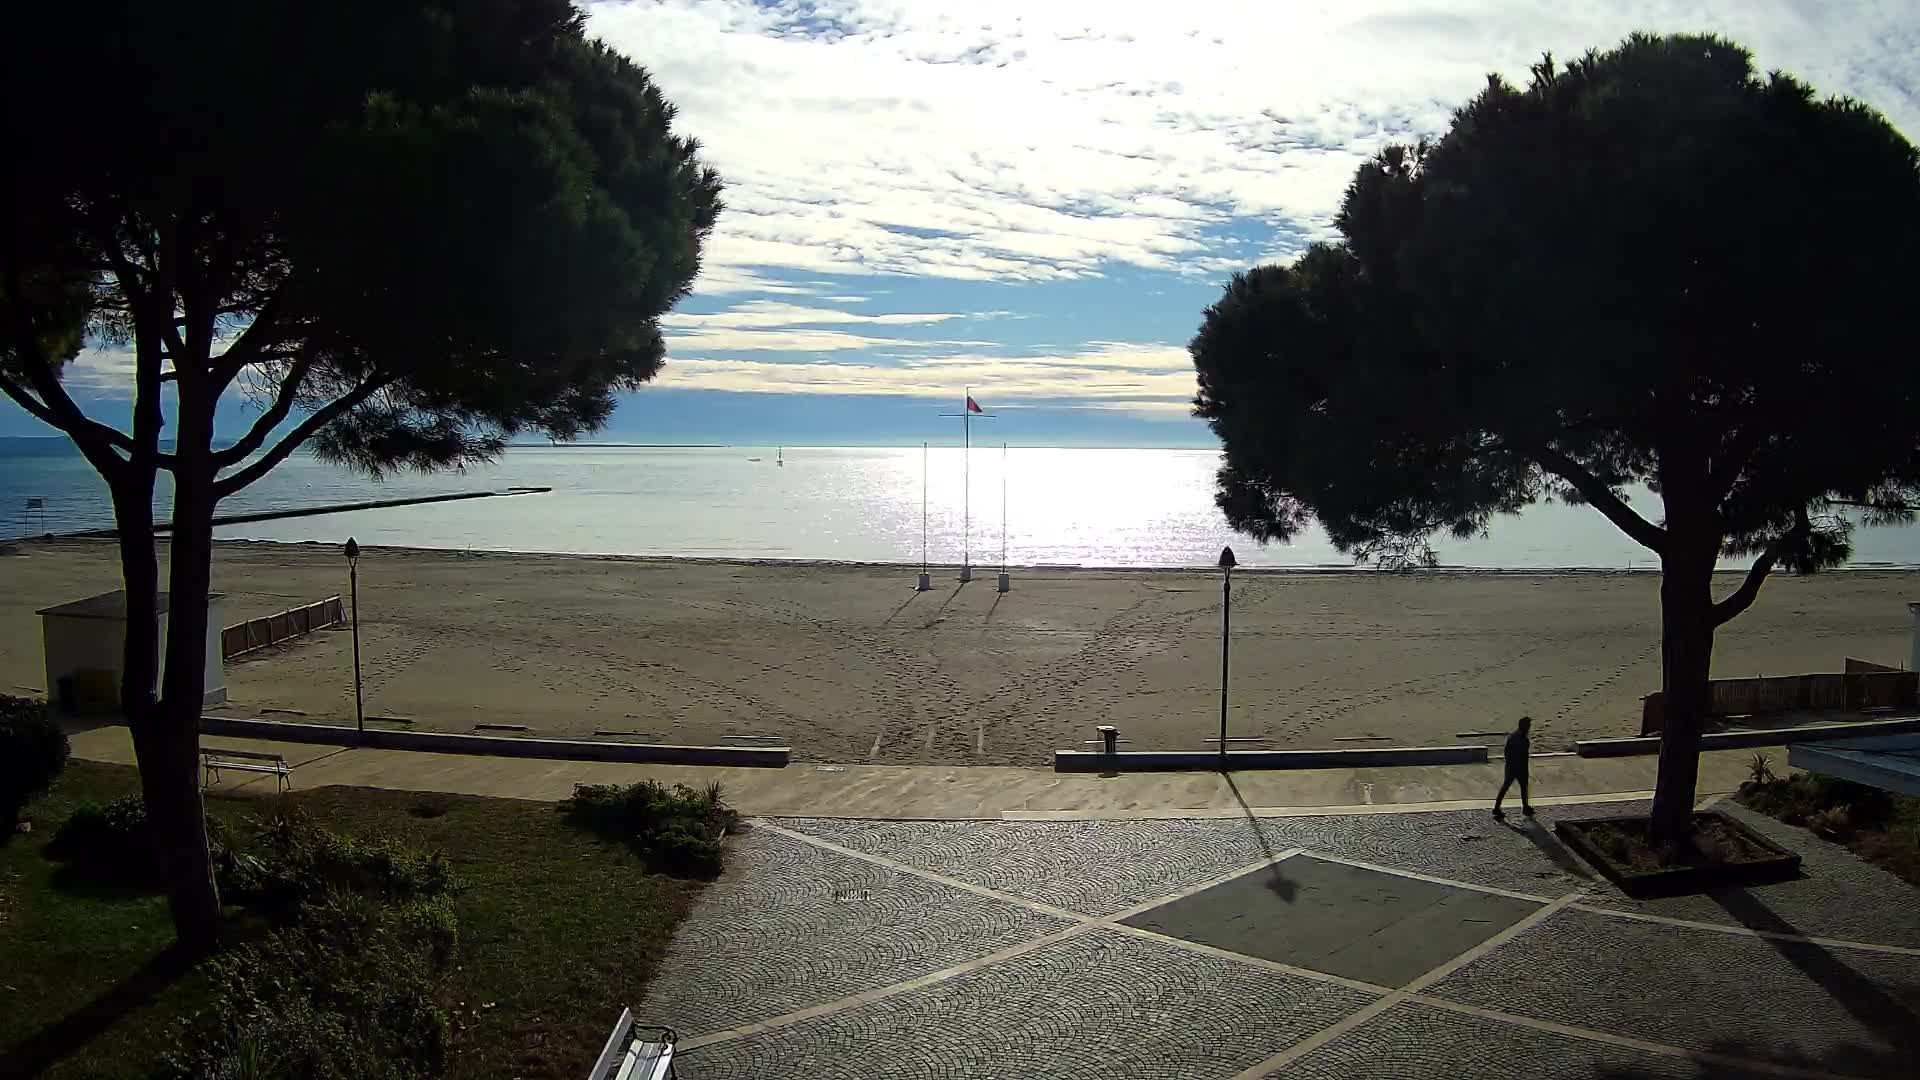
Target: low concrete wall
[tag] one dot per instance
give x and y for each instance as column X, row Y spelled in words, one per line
column 767, row 757
column 1741, row 740
column 1172, row 760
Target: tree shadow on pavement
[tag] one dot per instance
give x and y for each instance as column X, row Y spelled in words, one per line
column 1845, row 1059
column 63, row 1037
column 1282, row 885
column 1865, row 1000
column 1892, row 1019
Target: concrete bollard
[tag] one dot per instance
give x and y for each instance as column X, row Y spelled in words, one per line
column 1109, row 738
column 1913, row 662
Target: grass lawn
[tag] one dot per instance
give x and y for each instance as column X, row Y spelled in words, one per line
column 558, row 930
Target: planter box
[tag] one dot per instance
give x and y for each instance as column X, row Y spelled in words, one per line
column 1779, row 865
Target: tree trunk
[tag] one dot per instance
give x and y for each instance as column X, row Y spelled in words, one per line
column 173, row 790
column 1686, row 661
column 140, row 577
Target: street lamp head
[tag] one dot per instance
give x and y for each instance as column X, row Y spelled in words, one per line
column 1227, row 561
column 353, row 549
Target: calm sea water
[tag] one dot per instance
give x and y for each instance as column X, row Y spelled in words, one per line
column 1061, row 506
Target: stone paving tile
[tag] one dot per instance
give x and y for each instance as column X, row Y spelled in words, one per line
column 1095, row 867
column 1461, row 845
column 791, row 925
column 1839, row 896
column 1099, row 1006
column 1100, row 867
column 1383, row 929
column 1415, row 1040
column 1851, row 1010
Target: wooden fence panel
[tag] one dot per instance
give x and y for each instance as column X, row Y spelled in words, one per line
column 1884, row 689
column 280, row 626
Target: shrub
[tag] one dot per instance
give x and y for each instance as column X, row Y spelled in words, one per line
column 33, row 751
column 95, row 831
column 1877, row 825
column 348, row 988
column 312, row 1003
column 292, row 861
column 112, row 842
column 677, row 830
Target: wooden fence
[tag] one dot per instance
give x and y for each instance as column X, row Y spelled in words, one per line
column 273, row 629
column 1851, row 692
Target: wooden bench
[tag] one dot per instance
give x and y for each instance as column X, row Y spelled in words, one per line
column 212, row 761
column 635, row 1052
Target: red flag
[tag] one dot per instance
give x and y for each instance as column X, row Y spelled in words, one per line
column 972, row 405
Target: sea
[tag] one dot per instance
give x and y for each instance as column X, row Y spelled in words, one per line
column 1022, row 506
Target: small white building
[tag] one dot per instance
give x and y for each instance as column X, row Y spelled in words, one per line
column 85, row 645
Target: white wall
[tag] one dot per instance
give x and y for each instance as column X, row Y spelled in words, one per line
column 72, row 645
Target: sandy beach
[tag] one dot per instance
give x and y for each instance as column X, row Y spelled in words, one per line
column 849, row 664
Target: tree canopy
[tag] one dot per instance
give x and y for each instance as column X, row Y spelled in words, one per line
column 1649, row 266
column 1647, row 260
column 424, row 226
column 404, row 230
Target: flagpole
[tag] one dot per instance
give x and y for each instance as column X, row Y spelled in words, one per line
column 925, row 582
column 923, row 508
column 967, row 409
column 1003, row 584
column 966, row 486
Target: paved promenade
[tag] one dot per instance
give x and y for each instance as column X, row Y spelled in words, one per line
column 950, row 792
column 1326, row 924
column 1419, row 944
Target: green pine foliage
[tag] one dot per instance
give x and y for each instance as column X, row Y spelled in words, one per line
column 33, row 751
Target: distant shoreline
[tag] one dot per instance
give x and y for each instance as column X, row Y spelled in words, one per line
column 982, row 571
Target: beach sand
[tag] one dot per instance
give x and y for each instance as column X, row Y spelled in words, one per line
column 849, row 664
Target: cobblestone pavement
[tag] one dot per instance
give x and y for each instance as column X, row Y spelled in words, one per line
column 1142, row 949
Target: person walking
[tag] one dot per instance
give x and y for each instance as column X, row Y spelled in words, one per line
column 1518, row 747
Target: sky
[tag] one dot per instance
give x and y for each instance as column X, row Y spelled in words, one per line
column 1036, row 200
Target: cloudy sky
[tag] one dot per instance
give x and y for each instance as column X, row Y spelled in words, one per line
column 1036, row 199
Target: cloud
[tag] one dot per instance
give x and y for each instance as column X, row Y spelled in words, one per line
column 725, row 339
column 722, row 280
column 753, row 313
column 1015, row 141
column 101, row 370
column 1110, row 374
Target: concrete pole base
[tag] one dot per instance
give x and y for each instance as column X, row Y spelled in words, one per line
column 926, row 583
column 966, row 574
column 1914, row 610
column 1004, row 583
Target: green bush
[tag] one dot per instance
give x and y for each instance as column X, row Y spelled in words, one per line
column 292, row 861
column 677, row 830
column 1878, row 825
column 33, row 751
column 343, row 998
column 348, row 988
column 106, row 832
column 112, row 842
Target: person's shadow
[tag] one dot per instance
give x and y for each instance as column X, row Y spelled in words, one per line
column 1552, row 848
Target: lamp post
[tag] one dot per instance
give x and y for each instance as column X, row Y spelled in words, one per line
column 353, row 587
column 1227, row 563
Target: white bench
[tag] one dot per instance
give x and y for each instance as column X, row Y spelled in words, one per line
column 212, row 761
column 635, row 1052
